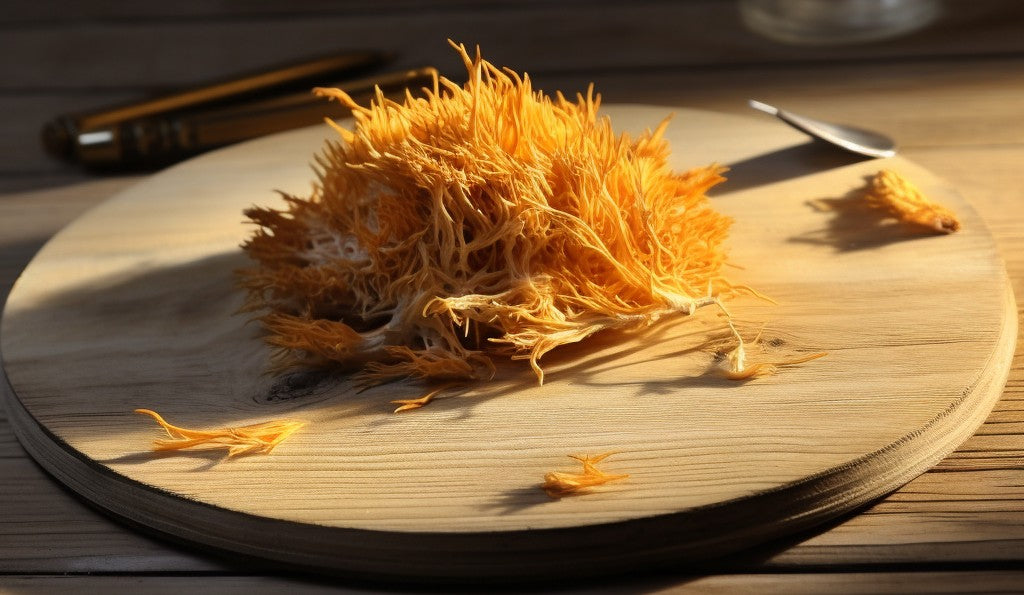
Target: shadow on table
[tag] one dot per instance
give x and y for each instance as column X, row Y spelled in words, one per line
column 784, row 164
column 853, row 225
column 171, row 337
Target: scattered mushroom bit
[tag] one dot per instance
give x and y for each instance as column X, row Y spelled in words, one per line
column 890, row 192
column 564, row 483
column 257, row 438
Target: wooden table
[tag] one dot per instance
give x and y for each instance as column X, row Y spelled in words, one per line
column 951, row 95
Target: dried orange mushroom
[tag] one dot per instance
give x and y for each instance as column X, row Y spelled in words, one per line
column 893, row 194
column 480, row 221
column 564, row 483
column 253, row 439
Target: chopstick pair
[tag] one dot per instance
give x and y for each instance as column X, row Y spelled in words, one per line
column 163, row 130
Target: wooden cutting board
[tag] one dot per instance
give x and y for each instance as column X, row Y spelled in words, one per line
column 134, row 306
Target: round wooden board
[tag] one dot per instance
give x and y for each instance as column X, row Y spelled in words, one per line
column 134, row 305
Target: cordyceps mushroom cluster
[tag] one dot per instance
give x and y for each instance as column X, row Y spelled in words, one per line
column 480, row 221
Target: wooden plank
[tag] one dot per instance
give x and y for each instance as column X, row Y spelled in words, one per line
column 23, row 12
column 811, row 583
column 46, row 529
column 851, row 582
column 10, row 448
column 939, row 518
column 538, row 38
column 877, row 96
column 920, row 104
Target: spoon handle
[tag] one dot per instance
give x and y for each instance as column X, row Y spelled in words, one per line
column 764, row 107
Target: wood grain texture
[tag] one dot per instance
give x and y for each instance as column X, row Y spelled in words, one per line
column 141, row 315
column 880, row 95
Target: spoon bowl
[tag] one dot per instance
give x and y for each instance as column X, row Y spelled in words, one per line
column 850, row 138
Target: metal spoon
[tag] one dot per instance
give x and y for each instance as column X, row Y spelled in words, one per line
column 856, row 140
